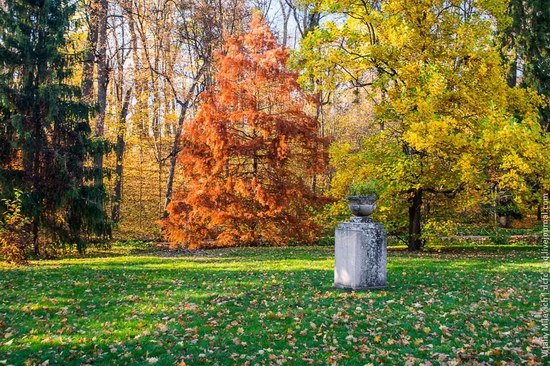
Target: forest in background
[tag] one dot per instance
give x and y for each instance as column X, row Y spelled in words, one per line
column 441, row 107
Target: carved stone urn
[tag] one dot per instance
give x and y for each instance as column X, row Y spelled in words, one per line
column 362, row 206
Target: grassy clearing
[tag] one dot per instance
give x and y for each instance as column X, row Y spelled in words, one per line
column 268, row 306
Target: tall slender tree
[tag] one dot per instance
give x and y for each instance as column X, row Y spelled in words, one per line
column 249, row 152
column 102, row 84
column 45, row 133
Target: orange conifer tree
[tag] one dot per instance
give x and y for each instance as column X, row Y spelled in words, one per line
column 249, row 154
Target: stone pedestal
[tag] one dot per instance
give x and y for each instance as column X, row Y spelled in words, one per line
column 360, row 255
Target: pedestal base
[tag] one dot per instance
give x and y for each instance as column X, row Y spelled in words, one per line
column 360, row 256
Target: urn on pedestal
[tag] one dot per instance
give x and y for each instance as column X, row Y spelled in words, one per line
column 360, row 247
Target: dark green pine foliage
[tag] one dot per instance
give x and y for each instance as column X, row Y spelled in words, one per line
column 526, row 45
column 45, row 137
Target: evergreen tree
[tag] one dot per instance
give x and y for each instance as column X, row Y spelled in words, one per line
column 45, row 142
column 526, row 43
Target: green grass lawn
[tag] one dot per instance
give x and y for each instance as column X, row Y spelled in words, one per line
column 270, row 306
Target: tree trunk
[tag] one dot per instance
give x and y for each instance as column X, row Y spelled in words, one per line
column 174, row 159
column 505, row 221
column 415, row 228
column 35, row 243
column 102, row 83
column 512, row 74
column 87, row 83
column 176, row 145
column 286, row 16
column 120, row 146
column 35, row 177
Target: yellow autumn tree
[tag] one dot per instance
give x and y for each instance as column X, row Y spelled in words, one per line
column 448, row 132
